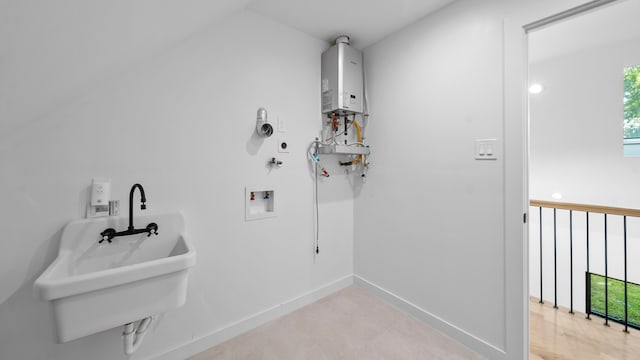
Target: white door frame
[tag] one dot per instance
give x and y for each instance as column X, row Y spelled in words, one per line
column 516, row 134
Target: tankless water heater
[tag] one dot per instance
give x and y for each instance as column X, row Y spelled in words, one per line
column 342, row 79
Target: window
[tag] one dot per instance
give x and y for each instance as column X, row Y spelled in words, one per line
column 632, row 111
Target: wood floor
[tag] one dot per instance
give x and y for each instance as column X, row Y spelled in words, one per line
column 558, row 335
column 350, row 324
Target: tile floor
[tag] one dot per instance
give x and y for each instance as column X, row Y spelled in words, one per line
column 350, row 324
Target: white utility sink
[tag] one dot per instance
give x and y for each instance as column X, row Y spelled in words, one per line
column 95, row 287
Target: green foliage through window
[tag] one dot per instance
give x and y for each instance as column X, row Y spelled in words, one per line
column 632, row 102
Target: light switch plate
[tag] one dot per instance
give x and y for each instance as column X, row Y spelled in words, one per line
column 282, row 125
column 485, row 149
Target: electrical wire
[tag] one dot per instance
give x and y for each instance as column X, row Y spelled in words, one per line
column 317, row 239
column 329, row 142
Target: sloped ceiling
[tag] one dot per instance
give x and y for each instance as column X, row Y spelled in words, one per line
column 51, row 51
column 366, row 21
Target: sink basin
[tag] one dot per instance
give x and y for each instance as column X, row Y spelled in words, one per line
column 94, row 287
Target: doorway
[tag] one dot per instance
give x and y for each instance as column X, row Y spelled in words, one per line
column 577, row 63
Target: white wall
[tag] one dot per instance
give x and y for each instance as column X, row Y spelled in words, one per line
column 438, row 232
column 429, row 221
column 576, row 128
column 182, row 124
column 576, row 150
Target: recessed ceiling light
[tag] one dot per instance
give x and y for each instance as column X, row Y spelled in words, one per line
column 535, row 88
column 556, row 196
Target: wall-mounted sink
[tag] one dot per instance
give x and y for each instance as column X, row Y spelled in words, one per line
column 98, row 286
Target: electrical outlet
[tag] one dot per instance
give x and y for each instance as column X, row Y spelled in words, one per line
column 283, row 145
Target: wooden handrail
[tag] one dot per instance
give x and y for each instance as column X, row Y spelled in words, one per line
column 587, row 208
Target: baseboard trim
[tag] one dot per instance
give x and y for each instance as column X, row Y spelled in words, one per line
column 250, row 322
column 471, row 341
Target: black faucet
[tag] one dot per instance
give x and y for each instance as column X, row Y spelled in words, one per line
column 143, row 201
column 152, row 228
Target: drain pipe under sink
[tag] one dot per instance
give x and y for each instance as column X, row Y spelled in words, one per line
column 133, row 336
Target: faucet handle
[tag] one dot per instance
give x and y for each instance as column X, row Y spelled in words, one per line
column 108, row 234
column 152, row 228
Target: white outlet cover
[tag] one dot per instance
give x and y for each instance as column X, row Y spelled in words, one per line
column 283, row 145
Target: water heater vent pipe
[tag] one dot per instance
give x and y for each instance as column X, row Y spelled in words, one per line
column 342, row 39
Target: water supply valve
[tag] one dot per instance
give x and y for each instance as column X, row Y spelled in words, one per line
column 275, row 162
